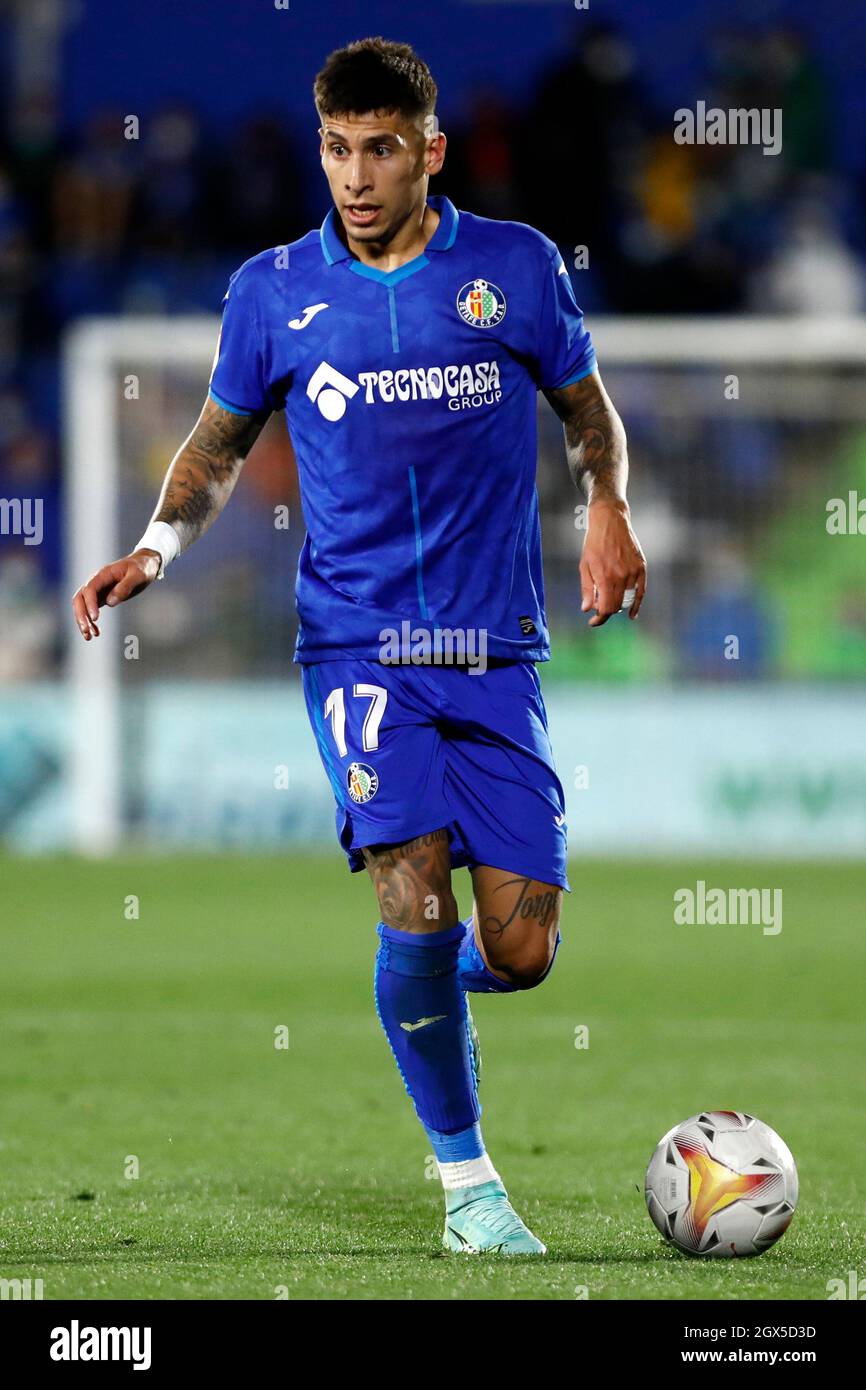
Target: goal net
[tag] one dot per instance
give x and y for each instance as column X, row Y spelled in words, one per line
column 744, row 436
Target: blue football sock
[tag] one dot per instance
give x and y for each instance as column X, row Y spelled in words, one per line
column 474, row 975
column 422, row 1009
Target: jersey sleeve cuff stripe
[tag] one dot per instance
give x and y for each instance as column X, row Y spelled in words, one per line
column 227, row 405
column 584, row 371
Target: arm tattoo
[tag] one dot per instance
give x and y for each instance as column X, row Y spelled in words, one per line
column 407, row 876
column 204, row 470
column 595, row 442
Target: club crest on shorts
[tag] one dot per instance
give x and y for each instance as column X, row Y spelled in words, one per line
column 362, row 781
column 481, row 304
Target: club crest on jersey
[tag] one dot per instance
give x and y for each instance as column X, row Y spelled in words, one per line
column 481, row 304
column 362, row 781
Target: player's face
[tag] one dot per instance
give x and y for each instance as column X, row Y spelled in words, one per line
column 377, row 167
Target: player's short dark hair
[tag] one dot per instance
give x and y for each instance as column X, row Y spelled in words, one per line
column 375, row 75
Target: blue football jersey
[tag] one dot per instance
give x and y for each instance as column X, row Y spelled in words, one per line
column 410, row 398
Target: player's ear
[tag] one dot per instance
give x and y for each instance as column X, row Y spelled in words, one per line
column 435, row 152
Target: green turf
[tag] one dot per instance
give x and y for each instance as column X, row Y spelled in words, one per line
column 304, row 1169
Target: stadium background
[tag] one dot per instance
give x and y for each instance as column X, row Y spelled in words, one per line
column 559, row 118
column 669, row 749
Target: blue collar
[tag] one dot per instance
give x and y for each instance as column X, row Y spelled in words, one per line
column 334, row 250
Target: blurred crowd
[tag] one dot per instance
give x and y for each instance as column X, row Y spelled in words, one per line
column 676, row 228
column 95, row 222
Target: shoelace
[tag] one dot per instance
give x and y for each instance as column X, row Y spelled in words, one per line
column 497, row 1214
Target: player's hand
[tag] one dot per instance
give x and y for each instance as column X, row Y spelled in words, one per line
column 612, row 562
column 111, row 585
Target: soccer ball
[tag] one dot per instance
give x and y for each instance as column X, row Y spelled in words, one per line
column 721, row 1184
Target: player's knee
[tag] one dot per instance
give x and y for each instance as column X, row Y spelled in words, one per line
column 436, row 906
column 416, row 906
column 529, row 965
column 413, row 883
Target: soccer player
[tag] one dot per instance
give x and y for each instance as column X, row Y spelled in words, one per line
column 406, row 342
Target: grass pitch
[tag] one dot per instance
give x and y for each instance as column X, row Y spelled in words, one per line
column 147, row 1046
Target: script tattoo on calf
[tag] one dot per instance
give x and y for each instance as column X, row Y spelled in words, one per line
column 527, row 906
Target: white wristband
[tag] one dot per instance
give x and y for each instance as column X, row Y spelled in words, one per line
column 162, row 538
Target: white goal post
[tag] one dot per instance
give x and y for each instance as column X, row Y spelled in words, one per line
column 93, row 352
column 97, row 350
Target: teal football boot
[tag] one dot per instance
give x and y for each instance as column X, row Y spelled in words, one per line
column 481, row 1220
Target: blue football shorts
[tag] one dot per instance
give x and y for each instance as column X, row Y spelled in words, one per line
column 413, row 749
